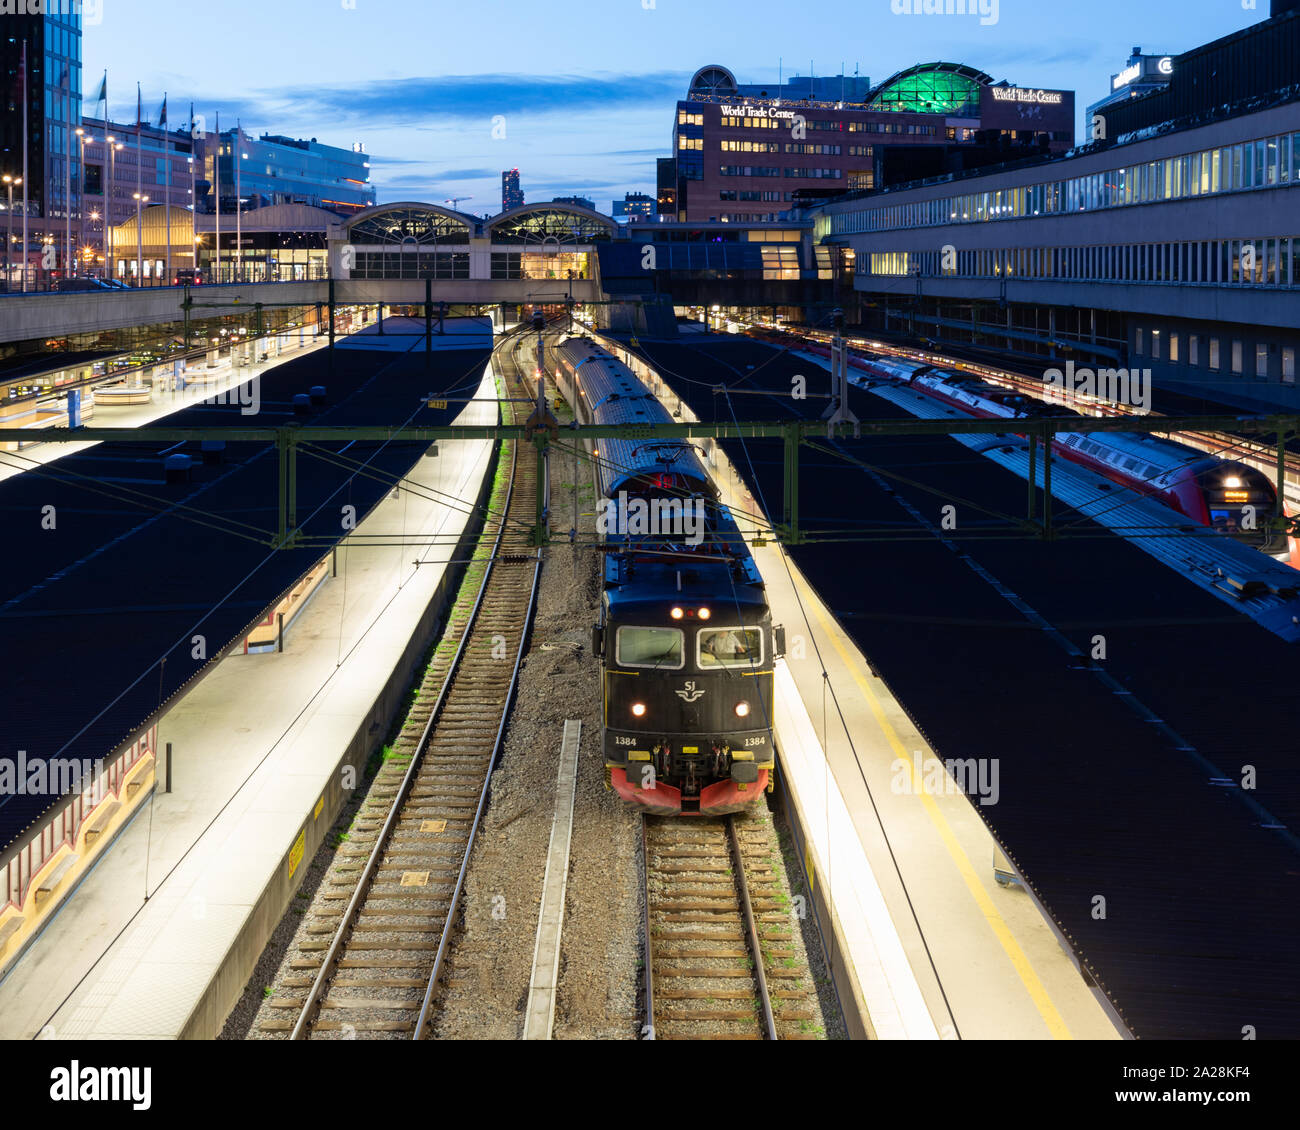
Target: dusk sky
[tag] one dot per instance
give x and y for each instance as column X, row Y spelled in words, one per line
column 587, row 87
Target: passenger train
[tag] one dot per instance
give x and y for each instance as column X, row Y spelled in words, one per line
column 1206, row 489
column 685, row 636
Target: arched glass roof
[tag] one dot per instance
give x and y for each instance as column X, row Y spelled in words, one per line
column 933, row 88
column 712, row 81
column 404, row 222
column 537, row 224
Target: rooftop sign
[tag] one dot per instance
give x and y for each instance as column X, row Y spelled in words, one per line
column 1021, row 94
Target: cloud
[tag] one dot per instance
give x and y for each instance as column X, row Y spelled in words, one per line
column 411, row 101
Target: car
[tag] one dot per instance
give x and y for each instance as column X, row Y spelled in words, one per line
column 188, row 276
column 80, row 284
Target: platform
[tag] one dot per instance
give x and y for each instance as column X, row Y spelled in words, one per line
column 257, row 745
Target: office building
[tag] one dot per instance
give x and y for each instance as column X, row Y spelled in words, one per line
column 750, row 153
column 283, row 170
column 51, row 44
column 633, row 206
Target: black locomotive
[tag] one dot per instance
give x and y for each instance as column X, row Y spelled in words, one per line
column 685, row 635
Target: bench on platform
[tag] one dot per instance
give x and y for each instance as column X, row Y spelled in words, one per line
column 101, row 821
column 9, row 928
column 55, row 877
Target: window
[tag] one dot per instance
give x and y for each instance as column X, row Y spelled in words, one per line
column 729, row 647
column 1236, row 358
column 1193, row 350
column 1155, row 344
column 1261, row 361
column 1173, row 347
column 649, row 647
column 1288, row 365
column 1138, row 346
column 1214, row 354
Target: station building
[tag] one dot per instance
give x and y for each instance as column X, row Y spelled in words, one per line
column 748, row 153
column 1171, row 243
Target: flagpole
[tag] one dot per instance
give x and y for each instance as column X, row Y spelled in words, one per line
column 67, row 168
column 26, row 178
column 139, row 192
column 239, row 209
column 167, row 162
column 194, row 210
column 216, row 180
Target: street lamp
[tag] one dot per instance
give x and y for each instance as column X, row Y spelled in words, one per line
column 140, row 202
column 81, row 183
column 10, row 184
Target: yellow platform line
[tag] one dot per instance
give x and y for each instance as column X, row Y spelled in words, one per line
column 1019, row 961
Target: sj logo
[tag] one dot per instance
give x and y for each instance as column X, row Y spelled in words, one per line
column 690, row 694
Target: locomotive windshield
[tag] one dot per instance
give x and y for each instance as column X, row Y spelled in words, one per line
column 649, row 647
column 729, row 647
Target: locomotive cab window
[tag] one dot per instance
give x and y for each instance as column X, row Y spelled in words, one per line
column 650, row 647
column 729, row 647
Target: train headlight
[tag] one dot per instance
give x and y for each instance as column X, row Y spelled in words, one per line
column 638, row 710
column 1232, row 482
column 742, row 710
column 704, row 613
column 677, row 614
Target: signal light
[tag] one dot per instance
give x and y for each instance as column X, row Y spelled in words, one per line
column 742, row 710
column 638, row 710
column 677, row 613
column 704, row 613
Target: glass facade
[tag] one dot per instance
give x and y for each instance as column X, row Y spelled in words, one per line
column 1266, row 162
column 1273, row 262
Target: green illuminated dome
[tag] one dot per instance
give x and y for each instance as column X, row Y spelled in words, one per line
column 932, row 88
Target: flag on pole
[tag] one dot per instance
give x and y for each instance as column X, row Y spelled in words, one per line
column 139, row 107
column 162, row 113
column 102, row 96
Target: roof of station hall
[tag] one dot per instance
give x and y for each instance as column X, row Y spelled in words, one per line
column 425, row 222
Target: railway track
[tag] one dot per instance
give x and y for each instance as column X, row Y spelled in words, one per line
column 721, row 960
column 393, row 893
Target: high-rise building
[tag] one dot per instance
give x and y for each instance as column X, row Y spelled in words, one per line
column 512, row 196
column 1140, row 75
column 749, row 153
column 52, row 41
column 577, row 201
column 633, row 206
column 666, row 187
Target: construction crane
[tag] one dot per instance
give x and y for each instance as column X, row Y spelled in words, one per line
column 457, row 199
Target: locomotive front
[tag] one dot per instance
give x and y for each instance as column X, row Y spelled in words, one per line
column 688, row 701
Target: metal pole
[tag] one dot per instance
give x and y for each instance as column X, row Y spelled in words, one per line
column 1281, row 475
column 428, row 323
column 67, row 172
column 25, row 171
column 1047, row 486
column 169, row 768
column 1033, row 474
column 330, row 313
column 9, row 232
column 108, row 198
column 237, row 155
column 81, row 189
column 216, row 181
column 791, row 501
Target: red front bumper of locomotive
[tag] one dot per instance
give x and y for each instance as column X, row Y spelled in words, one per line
column 715, row 800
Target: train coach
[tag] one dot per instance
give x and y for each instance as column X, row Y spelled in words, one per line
column 1232, row 497
column 685, row 635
